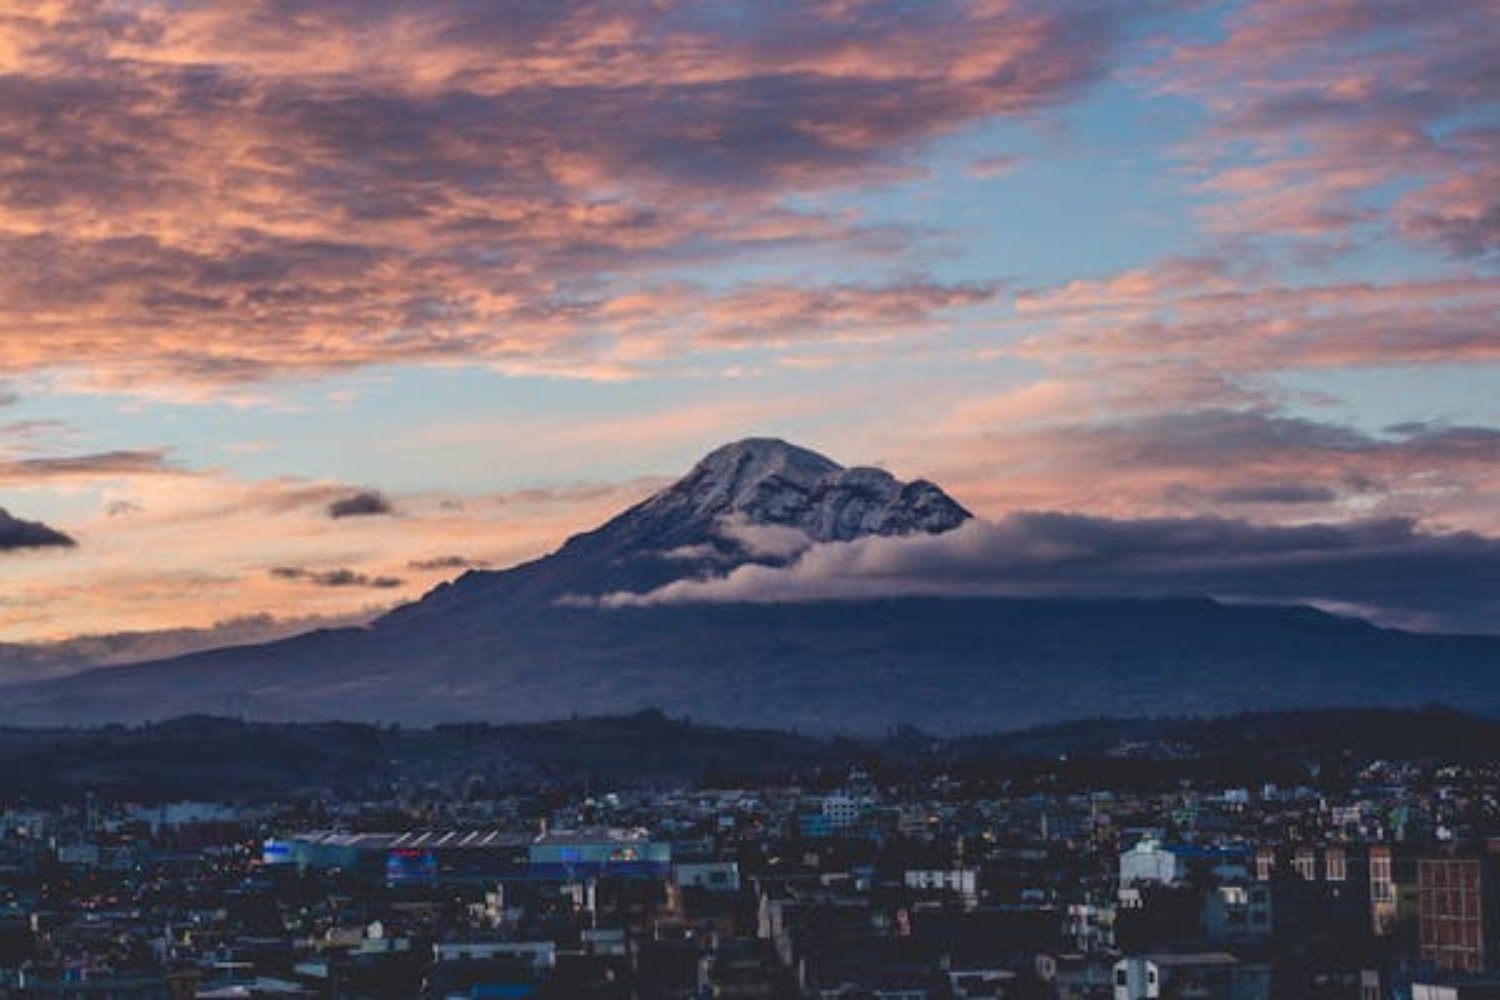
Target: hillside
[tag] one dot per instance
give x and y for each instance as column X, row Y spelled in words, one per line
column 218, row 759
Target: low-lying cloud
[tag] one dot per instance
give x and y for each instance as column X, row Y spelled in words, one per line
column 776, row 542
column 1389, row 570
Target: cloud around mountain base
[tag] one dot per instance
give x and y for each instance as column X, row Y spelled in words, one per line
column 1389, row 570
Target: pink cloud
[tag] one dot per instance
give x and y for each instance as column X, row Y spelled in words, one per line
column 1177, row 455
column 232, row 191
column 990, row 167
column 1183, row 316
column 1320, row 111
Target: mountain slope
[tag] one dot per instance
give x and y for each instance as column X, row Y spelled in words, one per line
column 509, row 646
column 735, row 506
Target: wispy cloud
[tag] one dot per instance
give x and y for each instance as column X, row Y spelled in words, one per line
column 232, row 191
column 1332, row 119
column 339, row 577
column 446, row 563
column 94, row 466
column 1199, row 314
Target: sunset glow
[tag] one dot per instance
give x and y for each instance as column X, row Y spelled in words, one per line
column 309, row 305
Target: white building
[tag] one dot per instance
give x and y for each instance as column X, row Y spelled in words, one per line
column 959, row 881
column 1148, row 861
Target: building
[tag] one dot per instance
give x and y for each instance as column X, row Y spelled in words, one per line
column 962, row 882
column 1393, row 889
column 716, row 876
column 1148, row 861
column 1151, row 861
column 842, row 811
column 417, row 856
column 1487, row 989
column 594, row 853
column 1237, row 914
column 1208, row 974
column 1458, row 907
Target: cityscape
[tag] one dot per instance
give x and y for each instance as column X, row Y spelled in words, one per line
column 908, row 873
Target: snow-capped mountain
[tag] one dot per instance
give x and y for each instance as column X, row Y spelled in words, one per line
column 509, row 645
column 709, row 522
column 770, row 482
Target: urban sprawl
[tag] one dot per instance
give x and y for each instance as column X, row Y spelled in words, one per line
column 1385, row 886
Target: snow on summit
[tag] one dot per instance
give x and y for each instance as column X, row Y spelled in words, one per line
column 771, row 482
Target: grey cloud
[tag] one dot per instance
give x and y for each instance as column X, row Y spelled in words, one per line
column 1463, row 233
column 1268, row 493
column 107, row 463
column 341, row 577
column 366, row 503
column 1389, row 569
column 446, row 562
column 18, row 534
column 1330, row 455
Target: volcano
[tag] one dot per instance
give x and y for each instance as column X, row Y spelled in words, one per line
column 534, row 642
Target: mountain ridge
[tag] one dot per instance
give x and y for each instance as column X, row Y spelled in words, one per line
column 217, row 758
column 508, row 646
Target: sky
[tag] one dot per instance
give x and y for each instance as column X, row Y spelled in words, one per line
column 308, row 305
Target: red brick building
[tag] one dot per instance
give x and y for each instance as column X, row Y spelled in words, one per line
column 1458, row 906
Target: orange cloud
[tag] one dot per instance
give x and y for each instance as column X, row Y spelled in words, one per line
column 194, row 550
column 224, row 192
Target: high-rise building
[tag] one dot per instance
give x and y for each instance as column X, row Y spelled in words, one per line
column 1458, row 907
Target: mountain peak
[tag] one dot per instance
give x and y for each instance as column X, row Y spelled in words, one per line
column 767, row 481
column 709, row 521
column 730, row 479
column 756, row 457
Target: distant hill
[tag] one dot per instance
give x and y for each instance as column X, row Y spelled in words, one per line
column 526, row 643
column 211, row 757
column 203, row 757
